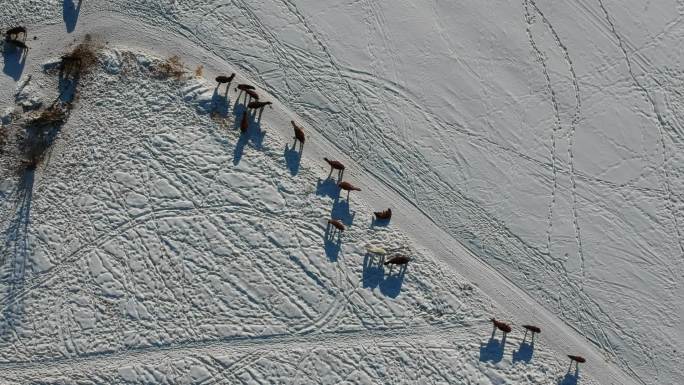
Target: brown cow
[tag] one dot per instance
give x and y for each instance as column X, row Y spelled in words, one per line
column 578, row 359
column 252, row 94
column 335, row 165
column 504, row 327
column 398, row 260
column 258, row 105
column 225, row 79
column 244, row 87
column 244, row 124
column 337, row 224
column 384, row 215
column 299, row 134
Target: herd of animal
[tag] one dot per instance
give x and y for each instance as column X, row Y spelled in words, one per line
column 253, row 103
column 251, row 100
column 506, row 328
column 16, row 37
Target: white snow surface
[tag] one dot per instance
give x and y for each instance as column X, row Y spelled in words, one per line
column 155, row 246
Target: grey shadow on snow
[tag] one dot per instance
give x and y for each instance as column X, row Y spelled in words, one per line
column 570, row 378
column 493, row 350
column 328, row 187
column 293, row 159
column 254, row 134
column 15, row 253
column 13, row 59
column 391, row 283
column 375, row 222
column 70, row 12
column 524, row 352
column 219, row 104
column 332, row 240
column 341, row 211
column 373, row 270
column 374, row 274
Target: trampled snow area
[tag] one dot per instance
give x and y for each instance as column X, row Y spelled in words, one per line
column 156, row 245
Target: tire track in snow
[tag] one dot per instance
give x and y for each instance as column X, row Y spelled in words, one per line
column 124, row 357
column 662, row 125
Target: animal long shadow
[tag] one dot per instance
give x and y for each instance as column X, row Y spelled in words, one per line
column 375, row 222
column 373, row 271
column 332, row 240
column 493, row 350
column 14, row 60
column 341, row 211
column 70, row 12
column 570, row 378
column 328, row 187
column 293, row 159
column 391, row 284
column 15, row 252
column 524, row 352
column 219, row 104
column 254, row 134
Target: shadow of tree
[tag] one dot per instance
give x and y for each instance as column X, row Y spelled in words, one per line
column 14, row 60
column 15, row 252
column 70, row 12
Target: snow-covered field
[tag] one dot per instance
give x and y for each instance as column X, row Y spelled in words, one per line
column 156, row 245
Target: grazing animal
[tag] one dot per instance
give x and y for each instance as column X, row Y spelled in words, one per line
column 383, row 215
column 348, row 186
column 533, row 329
column 578, row 359
column 252, row 94
column 398, row 260
column 258, row 105
column 225, row 79
column 504, row 327
column 335, row 165
column 244, row 87
column 337, row 224
column 244, row 124
column 298, row 134
column 13, row 33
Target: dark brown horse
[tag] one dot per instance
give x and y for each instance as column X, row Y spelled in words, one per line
column 221, row 79
column 335, row 165
column 348, row 187
column 337, row 224
column 298, row 134
column 244, row 87
column 504, row 327
column 244, row 124
column 398, row 260
column 384, row 215
column 258, row 105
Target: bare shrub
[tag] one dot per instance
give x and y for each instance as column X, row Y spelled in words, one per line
column 199, row 70
column 40, row 132
column 81, row 59
column 170, row 68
